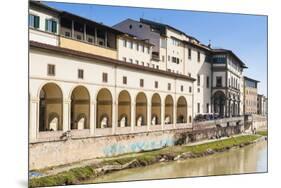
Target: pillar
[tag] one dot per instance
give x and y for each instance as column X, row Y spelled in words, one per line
column 175, row 114
column 148, row 114
column 33, row 119
column 162, row 114
column 133, row 115
column 66, row 115
column 72, row 29
column 85, row 37
column 92, row 117
column 114, row 115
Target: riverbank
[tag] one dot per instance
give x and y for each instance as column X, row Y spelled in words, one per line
column 106, row 165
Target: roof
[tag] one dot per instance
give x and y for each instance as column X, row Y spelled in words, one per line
column 221, row 50
column 116, row 62
column 251, row 79
column 161, row 27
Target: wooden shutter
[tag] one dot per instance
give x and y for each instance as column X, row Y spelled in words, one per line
column 54, row 26
column 36, row 21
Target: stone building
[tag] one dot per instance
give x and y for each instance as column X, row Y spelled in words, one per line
column 261, row 105
column 250, row 95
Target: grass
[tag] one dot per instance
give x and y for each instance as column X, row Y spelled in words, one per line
column 263, row 133
column 77, row 175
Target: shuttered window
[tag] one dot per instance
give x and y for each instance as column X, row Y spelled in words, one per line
column 51, row 26
column 34, row 21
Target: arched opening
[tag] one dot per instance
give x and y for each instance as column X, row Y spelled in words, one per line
column 104, row 109
column 124, row 109
column 181, row 110
column 169, row 106
column 219, row 103
column 141, row 109
column 50, row 108
column 80, row 108
column 155, row 109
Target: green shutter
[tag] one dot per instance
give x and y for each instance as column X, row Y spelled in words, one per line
column 36, row 21
column 46, row 25
column 54, row 26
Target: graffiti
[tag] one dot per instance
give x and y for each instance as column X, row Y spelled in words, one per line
column 116, row 149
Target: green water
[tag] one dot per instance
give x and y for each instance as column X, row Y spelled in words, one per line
column 252, row 158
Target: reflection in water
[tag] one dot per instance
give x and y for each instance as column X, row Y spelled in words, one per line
column 252, row 158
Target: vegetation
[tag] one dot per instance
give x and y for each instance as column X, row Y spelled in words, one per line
column 76, row 175
column 263, row 133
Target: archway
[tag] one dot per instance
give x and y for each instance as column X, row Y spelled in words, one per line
column 104, row 109
column 80, row 108
column 141, row 109
column 124, row 109
column 181, row 110
column 219, row 103
column 155, row 109
column 50, row 108
column 169, row 106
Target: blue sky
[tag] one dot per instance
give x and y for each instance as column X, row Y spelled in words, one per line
column 245, row 35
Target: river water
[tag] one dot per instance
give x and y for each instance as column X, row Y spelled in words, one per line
column 249, row 159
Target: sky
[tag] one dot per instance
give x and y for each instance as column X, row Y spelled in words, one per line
column 245, row 35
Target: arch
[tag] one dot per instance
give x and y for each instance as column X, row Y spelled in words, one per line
column 50, row 108
column 124, row 109
column 181, row 110
column 219, row 103
column 169, row 110
column 104, row 109
column 155, row 109
column 80, row 108
column 141, row 109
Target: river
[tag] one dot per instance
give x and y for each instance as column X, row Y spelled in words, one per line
column 249, row 159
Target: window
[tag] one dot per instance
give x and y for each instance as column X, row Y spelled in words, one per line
column 156, row 84
column 163, row 58
column 218, row 81
column 190, row 89
column 207, row 84
column 78, row 37
column 140, row 26
column 137, row 62
column 142, row 48
column 80, row 73
column 138, row 47
column 207, row 107
column 104, row 77
column 189, row 53
column 141, row 82
column 51, row 26
column 130, row 26
column 124, row 80
column 131, row 60
column 189, row 74
column 178, row 60
column 174, row 59
column 34, row 21
column 169, row 86
column 148, row 50
column 198, row 90
column 90, row 40
column 181, row 87
column 131, row 45
column 51, row 70
column 142, row 63
column 124, row 59
column 168, row 58
column 198, row 107
column 125, row 43
column 198, row 80
column 198, row 56
column 157, row 66
column 67, row 34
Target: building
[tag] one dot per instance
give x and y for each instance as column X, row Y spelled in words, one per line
column 91, row 82
column 250, row 95
column 261, row 105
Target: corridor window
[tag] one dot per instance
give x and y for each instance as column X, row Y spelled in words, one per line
column 51, row 25
column 104, row 77
column 124, row 43
column 156, row 84
column 80, row 73
column 190, row 89
column 181, row 87
column 207, row 84
column 34, row 21
column 207, row 107
column 198, row 56
column 198, row 107
column 169, row 86
column 198, row 80
column 124, row 80
column 218, row 81
column 141, row 82
column 51, row 70
column 189, row 53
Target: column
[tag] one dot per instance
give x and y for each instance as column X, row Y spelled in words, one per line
column 93, row 117
column 33, row 119
column 105, row 39
column 114, row 116
column 175, row 114
column 148, row 115
column 226, row 108
column 162, row 114
column 96, row 38
column 133, row 115
column 85, row 37
column 66, row 115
